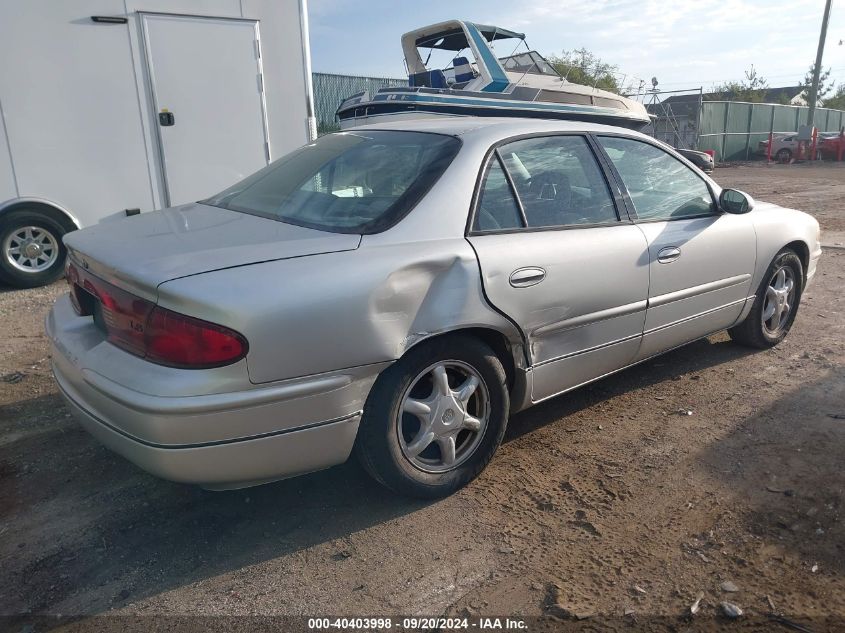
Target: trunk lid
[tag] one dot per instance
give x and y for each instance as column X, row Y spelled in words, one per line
column 143, row 251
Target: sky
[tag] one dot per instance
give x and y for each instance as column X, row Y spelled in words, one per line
column 684, row 43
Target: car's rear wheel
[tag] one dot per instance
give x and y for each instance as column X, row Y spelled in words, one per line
column 434, row 419
column 783, row 155
column 31, row 249
column 775, row 304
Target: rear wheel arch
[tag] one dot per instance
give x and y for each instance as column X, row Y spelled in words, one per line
column 494, row 339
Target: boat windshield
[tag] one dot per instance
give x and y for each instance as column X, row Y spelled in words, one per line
column 531, row 62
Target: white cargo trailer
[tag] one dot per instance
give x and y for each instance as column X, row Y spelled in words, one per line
column 113, row 107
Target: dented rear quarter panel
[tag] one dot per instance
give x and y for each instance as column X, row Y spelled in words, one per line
column 322, row 313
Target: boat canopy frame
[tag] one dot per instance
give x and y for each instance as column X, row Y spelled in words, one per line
column 455, row 39
column 457, row 35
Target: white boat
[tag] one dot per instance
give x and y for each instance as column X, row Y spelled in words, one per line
column 521, row 84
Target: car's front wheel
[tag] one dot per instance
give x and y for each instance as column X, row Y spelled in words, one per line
column 775, row 304
column 434, row 419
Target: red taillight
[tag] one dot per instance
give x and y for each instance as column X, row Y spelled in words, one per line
column 182, row 341
column 151, row 332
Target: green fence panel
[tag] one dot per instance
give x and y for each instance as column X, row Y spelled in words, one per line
column 734, row 130
column 713, row 117
column 761, row 117
column 833, row 120
column 784, row 119
column 734, row 147
column 738, row 118
column 802, row 117
column 330, row 90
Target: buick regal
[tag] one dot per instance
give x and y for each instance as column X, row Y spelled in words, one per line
column 399, row 291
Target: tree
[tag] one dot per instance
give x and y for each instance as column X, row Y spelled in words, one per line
column 837, row 101
column 825, row 83
column 753, row 88
column 580, row 66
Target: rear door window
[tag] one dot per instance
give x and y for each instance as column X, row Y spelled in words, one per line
column 559, row 181
column 497, row 208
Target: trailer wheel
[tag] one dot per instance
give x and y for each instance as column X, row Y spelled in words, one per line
column 31, row 249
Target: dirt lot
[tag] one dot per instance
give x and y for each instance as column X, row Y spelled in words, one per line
column 623, row 501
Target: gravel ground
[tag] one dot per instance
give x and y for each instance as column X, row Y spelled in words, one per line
column 709, row 469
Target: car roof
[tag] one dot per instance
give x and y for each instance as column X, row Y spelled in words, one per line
column 491, row 126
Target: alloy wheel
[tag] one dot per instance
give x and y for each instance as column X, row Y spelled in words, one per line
column 780, row 297
column 442, row 416
column 31, row 249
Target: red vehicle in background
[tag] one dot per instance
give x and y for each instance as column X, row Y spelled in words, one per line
column 832, row 148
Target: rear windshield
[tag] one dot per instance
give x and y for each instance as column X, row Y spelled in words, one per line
column 350, row 182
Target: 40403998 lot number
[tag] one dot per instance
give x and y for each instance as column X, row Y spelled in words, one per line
column 417, row 623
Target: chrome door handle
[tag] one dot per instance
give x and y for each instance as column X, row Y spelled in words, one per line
column 668, row 254
column 528, row 276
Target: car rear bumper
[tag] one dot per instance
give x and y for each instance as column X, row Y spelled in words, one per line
column 235, row 464
column 217, row 440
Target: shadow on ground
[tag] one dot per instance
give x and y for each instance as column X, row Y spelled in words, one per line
column 674, row 365
column 121, row 535
column 788, row 460
column 118, row 528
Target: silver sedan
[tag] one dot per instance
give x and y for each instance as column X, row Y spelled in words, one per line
column 399, row 291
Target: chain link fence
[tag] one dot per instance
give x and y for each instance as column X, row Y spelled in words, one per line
column 330, row 90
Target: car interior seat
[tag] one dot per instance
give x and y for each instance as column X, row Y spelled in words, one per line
column 548, row 198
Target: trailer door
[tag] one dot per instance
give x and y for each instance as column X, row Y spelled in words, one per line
column 207, row 89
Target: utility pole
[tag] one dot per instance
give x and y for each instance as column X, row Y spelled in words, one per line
column 817, row 69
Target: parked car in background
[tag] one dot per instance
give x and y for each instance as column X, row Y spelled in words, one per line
column 400, row 290
column 830, row 147
column 785, row 146
column 702, row 160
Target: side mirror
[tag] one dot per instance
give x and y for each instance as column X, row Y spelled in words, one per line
column 735, row 201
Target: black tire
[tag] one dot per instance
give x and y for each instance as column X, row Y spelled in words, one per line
column 378, row 445
column 751, row 331
column 14, row 221
column 783, row 155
